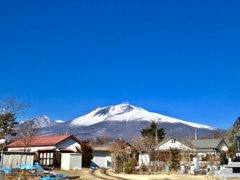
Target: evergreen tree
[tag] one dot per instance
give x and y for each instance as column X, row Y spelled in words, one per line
column 232, row 150
column 9, row 109
column 175, row 158
column 235, row 128
column 153, row 132
column 87, row 156
column 7, row 124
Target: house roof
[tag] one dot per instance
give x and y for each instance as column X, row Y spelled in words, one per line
column 179, row 139
column 111, row 147
column 237, row 134
column 206, row 143
column 229, row 144
column 199, row 144
column 103, row 148
column 42, row 141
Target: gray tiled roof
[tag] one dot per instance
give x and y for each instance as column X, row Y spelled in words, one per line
column 237, row 134
column 206, row 143
column 203, row 145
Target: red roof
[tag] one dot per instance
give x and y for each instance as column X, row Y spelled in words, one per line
column 102, row 148
column 42, row 141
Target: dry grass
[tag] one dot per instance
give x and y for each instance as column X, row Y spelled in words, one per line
column 163, row 176
column 86, row 175
column 83, row 173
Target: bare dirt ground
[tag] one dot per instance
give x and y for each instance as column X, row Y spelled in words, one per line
column 87, row 174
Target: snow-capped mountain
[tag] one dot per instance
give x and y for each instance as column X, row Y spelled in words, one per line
column 40, row 122
column 120, row 121
column 127, row 112
column 59, row 121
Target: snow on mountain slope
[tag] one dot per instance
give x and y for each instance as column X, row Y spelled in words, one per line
column 40, row 122
column 100, row 114
column 126, row 112
column 59, row 121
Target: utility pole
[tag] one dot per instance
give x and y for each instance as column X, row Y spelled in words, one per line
column 195, row 134
column 156, row 136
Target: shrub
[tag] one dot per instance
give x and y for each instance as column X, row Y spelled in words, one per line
column 129, row 165
column 175, row 161
column 143, row 168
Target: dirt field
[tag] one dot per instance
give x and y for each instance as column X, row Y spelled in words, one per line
column 98, row 175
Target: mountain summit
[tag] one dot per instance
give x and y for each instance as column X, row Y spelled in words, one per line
column 127, row 112
column 40, row 121
column 123, row 121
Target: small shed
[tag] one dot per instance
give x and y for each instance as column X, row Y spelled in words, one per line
column 70, row 161
column 15, row 159
column 101, row 157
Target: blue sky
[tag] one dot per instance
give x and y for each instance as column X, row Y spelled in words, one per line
column 177, row 58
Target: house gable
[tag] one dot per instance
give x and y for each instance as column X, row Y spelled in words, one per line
column 210, row 145
column 172, row 142
column 69, row 143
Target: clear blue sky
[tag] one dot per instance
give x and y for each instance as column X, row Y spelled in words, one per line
column 176, row 58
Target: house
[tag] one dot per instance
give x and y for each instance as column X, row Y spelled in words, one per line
column 50, row 151
column 165, row 145
column 209, row 146
column 199, row 147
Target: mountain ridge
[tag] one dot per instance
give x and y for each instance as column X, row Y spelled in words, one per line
column 127, row 112
column 123, row 121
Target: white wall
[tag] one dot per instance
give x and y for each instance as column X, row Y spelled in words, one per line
column 69, row 144
column 143, row 159
column 169, row 144
column 75, row 161
column 65, row 161
column 32, row 149
column 223, row 147
column 15, row 160
column 100, row 159
column 70, row 161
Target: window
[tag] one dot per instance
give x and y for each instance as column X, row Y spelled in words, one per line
column 46, row 158
column 173, row 140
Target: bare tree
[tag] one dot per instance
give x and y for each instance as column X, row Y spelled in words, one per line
column 12, row 105
column 10, row 108
column 186, row 151
column 101, row 140
column 145, row 146
column 138, row 144
column 26, row 131
column 120, row 155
